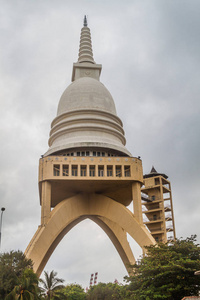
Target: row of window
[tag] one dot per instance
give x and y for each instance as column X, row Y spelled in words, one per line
column 93, row 170
column 88, row 153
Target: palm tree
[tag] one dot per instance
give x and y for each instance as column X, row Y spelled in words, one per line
column 24, row 291
column 51, row 284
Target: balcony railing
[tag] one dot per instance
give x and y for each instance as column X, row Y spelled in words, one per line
column 151, row 220
column 156, row 230
column 145, row 210
column 149, row 198
column 116, row 168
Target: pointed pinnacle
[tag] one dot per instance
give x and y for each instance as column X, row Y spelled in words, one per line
column 85, row 21
column 85, row 49
column 153, row 170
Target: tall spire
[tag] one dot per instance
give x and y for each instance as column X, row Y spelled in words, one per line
column 85, row 21
column 86, row 66
column 85, row 49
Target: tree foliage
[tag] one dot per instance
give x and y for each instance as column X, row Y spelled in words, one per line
column 27, row 289
column 167, row 272
column 106, row 291
column 71, row 292
column 51, row 284
column 12, row 267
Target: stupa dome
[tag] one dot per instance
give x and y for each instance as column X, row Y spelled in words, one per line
column 86, row 93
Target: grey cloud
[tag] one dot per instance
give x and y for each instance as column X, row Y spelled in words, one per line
column 150, row 57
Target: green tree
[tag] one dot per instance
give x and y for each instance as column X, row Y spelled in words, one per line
column 106, row 291
column 51, row 284
column 12, row 266
column 27, row 289
column 72, row 292
column 167, row 272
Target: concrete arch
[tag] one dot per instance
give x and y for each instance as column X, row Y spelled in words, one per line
column 114, row 218
column 119, row 239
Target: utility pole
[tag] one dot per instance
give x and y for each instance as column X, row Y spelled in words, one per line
column 2, row 210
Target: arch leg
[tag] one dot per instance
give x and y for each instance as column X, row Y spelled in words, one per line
column 71, row 211
column 118, row 237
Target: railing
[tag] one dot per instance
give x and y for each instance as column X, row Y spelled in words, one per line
column 156, row 229
column 152, row 209
column 152, row 219
column 148, row 198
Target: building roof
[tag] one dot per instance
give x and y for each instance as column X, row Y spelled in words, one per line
column 154, row 173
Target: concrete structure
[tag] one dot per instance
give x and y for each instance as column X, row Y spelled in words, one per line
column 158, row 207
column 87, row 171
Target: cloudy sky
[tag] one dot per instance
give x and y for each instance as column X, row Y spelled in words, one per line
column 150, row 52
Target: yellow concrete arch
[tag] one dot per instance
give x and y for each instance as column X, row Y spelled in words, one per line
column 114, row 218
column 118, row 237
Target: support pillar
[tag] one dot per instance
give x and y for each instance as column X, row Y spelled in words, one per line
column 137, row 205
column 45, row 202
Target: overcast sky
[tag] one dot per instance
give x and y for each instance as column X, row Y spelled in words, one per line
column 150, row 53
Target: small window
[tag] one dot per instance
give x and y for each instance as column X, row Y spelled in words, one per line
column 72, row 154
column 94, row 153
column 100, row 171
column 83, row 170
column 153, row 198
column 78, row 153
column 56, row 170
column 92, row 171
column 103, row 153
column 87, row 153
column 127, row 171
column 157, row 239
column 83, row 153
column 98, row 153
column 65, row 170
column 118, row 171
column 154, row 217
column 74, row 170
column 67, row 154
column 109, row 171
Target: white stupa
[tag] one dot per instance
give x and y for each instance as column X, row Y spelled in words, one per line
column 86, row 117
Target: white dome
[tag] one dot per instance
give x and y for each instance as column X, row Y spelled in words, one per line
column 86, row 93
column 86, row 117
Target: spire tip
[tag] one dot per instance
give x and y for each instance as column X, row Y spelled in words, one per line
column 85, row 21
